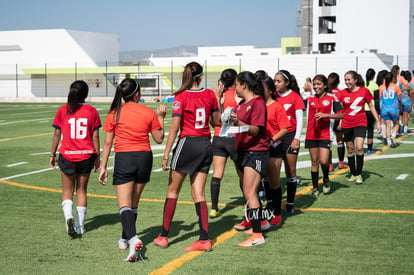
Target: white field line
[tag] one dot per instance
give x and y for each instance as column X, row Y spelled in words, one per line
column 402, row 177
column 299, row 165
column 29, row 113
column 17, row 163
column 24, row 121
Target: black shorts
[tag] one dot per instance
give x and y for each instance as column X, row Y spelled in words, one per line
column 258, row 160
column 351, row 133
column 81, row 167
column 132, row 166
column 309, row 144
column 192, row 154
column 224, row 147
column 284, row 147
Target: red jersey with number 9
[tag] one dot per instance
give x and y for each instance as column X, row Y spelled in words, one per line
column 354, row 106
column 77, row 131
column 195, row 107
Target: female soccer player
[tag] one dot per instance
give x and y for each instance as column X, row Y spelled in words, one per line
column 333, row 82
column 390, row 106
column 372, row 87
column 130, row 124
column 322, row 107
column 354, row 123
column 277, row 126
column 192, row 108
column 287, row 94
column 406, row 100
column 78, row 124
column 252, row 150
column 223, row 147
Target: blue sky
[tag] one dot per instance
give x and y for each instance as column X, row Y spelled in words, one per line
column 160, row 24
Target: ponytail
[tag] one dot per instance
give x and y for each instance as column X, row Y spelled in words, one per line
column 126, row 91
column 254, row 84
column 78, row 92
column 192, row 73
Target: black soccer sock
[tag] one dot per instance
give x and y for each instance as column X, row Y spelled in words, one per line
column 341, row 151
column 214, row 191
column 128, row 222
column 267, row 191
column 351, row 164
column 315, row 177
column 135, row 212
column 202, row 214
column 325, row 172
column 277, row 201
column 360, row 164
column 370, row 145
column 291, row 189
column 254, row 214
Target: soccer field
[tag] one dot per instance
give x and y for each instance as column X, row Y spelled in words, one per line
column 356, row 229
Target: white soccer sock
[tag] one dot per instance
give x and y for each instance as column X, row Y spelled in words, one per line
column 67, row 208
column 393, row 135
column 81, row 215
column 383, row 129
column 405, row 128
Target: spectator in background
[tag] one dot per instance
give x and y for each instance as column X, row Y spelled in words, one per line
column 407, row 100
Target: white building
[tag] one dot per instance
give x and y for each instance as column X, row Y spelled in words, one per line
column 28, row 54
column 355, row 26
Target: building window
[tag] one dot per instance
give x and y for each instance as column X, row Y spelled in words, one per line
column 264, row 53
column 292, row 50
column 238, row 54
column 326, row 47
column 327, row 24
column 327, row 3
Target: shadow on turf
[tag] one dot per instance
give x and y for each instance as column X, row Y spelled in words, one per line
column 101, row 220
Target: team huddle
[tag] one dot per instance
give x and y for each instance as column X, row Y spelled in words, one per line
column 266, row 116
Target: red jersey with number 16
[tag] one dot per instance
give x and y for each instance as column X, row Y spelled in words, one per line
column 77, row 131
column 354, row 107
column 195, row 107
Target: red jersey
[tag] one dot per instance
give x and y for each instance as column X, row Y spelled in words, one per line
column 132, row 130
column 77, row 131
column 229, row 101
column 276, row 119
column 319, row 129
column 195, row 107
column 291, row 102
column 354, row 107
column 253, row 113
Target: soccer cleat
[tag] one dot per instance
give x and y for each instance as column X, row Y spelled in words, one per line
column 290, row 210
column 393, row 144
column 254, row 240
column 264, row 226
column 358, row 179
column 276, row 221
column 245, row 224
column 215, row 213
column 200, row 246
column 326, row 187
column 123, row 244
column 80, row 229
column 161, row 241
column 352, row 178
column 370, row 152
column 315, row 193
column 135, row 245
column 70, row 227
column 342, row 165
column 331, row 168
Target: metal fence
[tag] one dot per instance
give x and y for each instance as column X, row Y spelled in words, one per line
column 53, row 80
